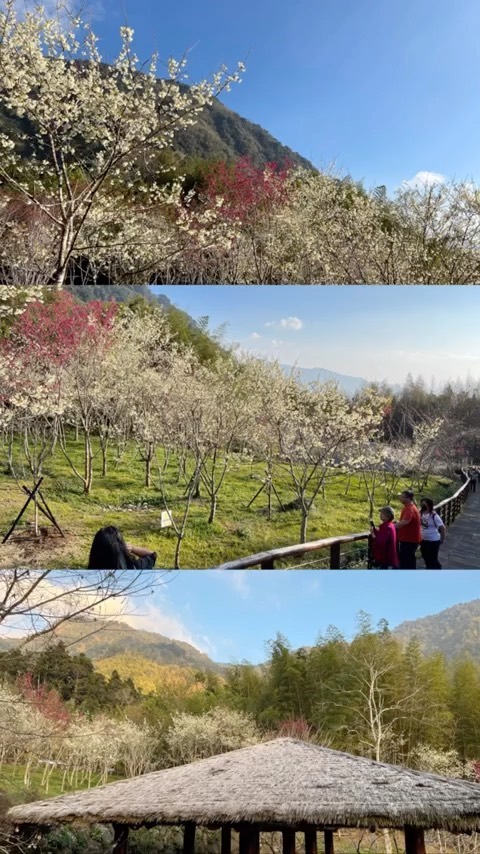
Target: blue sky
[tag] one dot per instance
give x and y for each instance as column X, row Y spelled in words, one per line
column 232, row 614
column 385, row 90
column 374, row 332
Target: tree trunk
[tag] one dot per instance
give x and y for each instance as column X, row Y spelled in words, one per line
column 104, row 458
column 177, row 551
column 213, row 509
column 36, row 531
column 303, row 526
column 388, row 842
column 10, row 453
column 148, row 469
column 60, row 274
column 88, row 470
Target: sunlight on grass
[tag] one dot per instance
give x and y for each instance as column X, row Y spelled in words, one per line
column 236, row 532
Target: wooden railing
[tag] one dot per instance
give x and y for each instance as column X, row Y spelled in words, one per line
column 448, row 511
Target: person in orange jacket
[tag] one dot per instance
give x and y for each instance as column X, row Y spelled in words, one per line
column 409, row 531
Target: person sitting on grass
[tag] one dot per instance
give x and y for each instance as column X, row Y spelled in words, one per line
column 385, row 541
column 110, row 551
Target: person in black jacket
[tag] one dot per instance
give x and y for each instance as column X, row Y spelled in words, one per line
column 110, row 551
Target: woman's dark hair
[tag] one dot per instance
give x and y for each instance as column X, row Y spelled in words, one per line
column 429, row 503
column 108, row 550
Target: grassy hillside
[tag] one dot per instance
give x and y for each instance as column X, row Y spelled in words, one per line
column 117, row 639
column 455, row 631
column 150, row 676
column 120, row 499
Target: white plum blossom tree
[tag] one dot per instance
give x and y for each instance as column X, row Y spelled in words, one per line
column 95, row 126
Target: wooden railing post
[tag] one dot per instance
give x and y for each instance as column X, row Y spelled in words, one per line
column 335, row 555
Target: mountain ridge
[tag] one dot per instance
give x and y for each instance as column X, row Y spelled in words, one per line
column 104, row 639
column 454, row 631
column 347, row 383
column 219, row 133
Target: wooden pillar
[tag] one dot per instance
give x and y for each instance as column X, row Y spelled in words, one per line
column 288, row 836
column 328, row 837
column 120, row 839
column 249, row 842
column 414, row 840
column 226, row 840
column 311, row 840
column 335, row 556
column 189, row 838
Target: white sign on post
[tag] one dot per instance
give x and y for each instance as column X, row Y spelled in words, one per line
column 166, row 519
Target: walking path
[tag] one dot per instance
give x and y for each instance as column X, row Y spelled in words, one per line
column 461, row 549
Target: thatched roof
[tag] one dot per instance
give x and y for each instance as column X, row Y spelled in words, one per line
column 278, row 783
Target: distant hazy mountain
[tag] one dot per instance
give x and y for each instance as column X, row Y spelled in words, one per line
column 104, row 640
column 350, row 385
column 119, row 293
column 454, row 632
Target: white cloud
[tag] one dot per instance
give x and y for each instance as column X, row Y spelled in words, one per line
column 276, row 343
column 291, row 323
column 287, row 323
column 255, row 336
column 425, row 179
column 157, row 619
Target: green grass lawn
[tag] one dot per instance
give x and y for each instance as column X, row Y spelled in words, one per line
column 236, row 531
column 13, row 785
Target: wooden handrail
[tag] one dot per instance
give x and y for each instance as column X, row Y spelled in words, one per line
column 266, row 560
column 263, row 558
column 458, row 493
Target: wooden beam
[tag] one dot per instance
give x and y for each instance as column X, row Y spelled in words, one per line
column 328, row 838
column 249, row 842
column 311, row 840
column 120, row 839
column 189, row 838
column 226, row 840
column 414, row 840
column 288, row 835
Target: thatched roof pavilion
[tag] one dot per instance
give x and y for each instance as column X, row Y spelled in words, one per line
column 284, row 785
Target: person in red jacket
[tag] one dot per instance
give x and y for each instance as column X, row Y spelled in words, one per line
column 385, row 541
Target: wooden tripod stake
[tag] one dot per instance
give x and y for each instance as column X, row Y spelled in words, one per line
column 34, row 495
